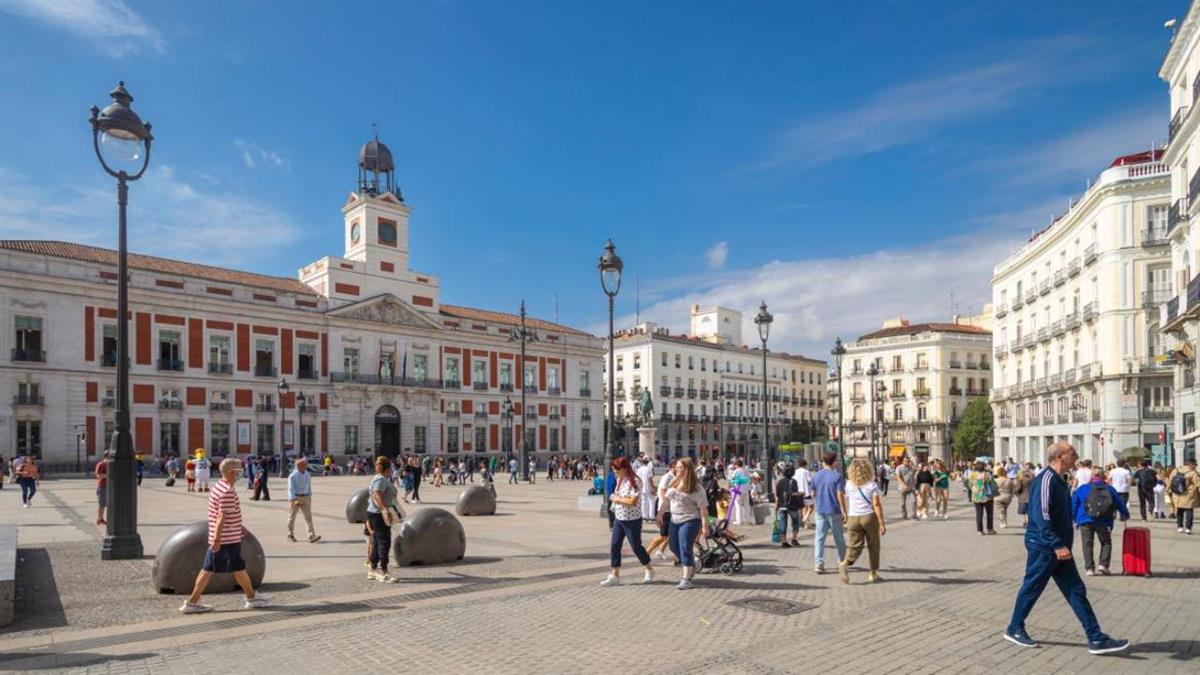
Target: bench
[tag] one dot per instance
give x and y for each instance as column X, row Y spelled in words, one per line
column 8, row 572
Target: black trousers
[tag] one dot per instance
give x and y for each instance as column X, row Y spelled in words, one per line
column 416, row 490
column 1183, row 518
column 987, row 506
column 261, row 491
column 1145, row 500
column 883, row 486
column 381, row 540
column 1089, row 531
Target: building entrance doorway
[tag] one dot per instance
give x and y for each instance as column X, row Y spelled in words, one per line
column 387, row 431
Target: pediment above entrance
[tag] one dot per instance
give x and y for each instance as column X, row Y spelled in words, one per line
column 385, row 309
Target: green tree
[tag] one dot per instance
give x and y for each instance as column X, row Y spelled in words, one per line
column 973, row 435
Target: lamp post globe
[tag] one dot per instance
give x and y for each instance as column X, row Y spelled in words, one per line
column 121, row 141
column 764, row 320
column 610, row 268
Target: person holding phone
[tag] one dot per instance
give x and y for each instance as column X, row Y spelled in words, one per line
column 382, row 513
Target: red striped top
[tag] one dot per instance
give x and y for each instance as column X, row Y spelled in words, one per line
column 222, row 498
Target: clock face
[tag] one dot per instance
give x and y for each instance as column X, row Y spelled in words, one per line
column 354, row 232
column 387, row 233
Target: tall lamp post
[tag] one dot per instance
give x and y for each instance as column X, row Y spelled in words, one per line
column 763, row 320
column 839, row 353
column 610, row 267
column 872, row 373
column 523, row 335
column 120, row 137
column 884, row 444
column 507, row 408
column 283, row 390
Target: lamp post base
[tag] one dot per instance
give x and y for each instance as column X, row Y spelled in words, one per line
column 121, row 547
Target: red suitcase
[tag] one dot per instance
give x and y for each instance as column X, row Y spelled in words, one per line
column 1135, row 551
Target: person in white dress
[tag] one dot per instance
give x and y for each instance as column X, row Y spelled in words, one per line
column 645, row 475
column 743, row 512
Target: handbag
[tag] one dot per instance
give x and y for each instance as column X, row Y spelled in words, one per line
column 776, row 532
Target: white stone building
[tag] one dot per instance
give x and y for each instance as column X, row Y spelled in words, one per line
column 927, row 373
column 375, row 362
column 707, row 387
column 1078, row 348
column 1180, row 316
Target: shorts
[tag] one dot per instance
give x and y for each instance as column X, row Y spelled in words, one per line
column 664, row 525
column 102, row 496
column 228, row 559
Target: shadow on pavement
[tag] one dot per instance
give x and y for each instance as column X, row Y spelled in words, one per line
column 1179, row 650
column 915, row 570
column 708, row 581
column 19, row 661
column 939, row 582
column 38, row 602
column 281, row 586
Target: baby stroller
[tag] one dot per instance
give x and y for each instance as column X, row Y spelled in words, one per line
column 718, row 552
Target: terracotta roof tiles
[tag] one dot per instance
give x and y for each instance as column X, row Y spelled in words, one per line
column 918, row 328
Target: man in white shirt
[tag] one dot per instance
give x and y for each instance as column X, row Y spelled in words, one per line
column 1083, row 475
column 803, row 480
column 1120, row 478
column 645, row 474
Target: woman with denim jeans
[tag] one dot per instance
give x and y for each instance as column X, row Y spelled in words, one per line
column 688, row 506
column 627, row 522
column 983, row 492
column 788, row 502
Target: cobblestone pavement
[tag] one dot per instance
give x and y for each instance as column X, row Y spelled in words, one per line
column 946, row 597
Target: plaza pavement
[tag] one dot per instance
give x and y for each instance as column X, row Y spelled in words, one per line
column 525, row 599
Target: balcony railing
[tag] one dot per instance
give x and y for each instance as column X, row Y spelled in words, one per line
column 1089, row 311
column 481, row 414
column 955, row 364
column 678, row 392
column 956, row 391
column 108, row 360
column 369, row 378
column 1078, row 416
column 220, row 405
column 1058, row 328
column 984, row 365
column 479, row 385
column 1068, row 376
column 664, row 390
column 585, row 393
column 531, row 389
column 264, row 407
column 1001, row 310
column 1060, row 277
column 264, row 371
column 620, row 393
column 1176, row 122
column 691, row 393
column 1040, row 384
column 920, row 367
column 1095, row 415
column 703, row 394
column 1043, row 334
column 1089, row 254
column 1193, row 187
column 1158, row 413
column 557, row 391
column 920, row 393
column 220, row 368
column 1177, row 214
column 170, row 404
column 1044, row 287
column 1193, row 292
column 1062, row 418
column 506, row 386
column 453, row 414
column 1073, row 267
column 1155, row 296
column 1071, row 321
column 1031, row 294
column 1018, row 302
column 28, row 399
column 1055, row 380
column 29, row 355
column 1155, row 237
column 1154, row 363
column 531, row 415
column 307, row 408
column 974, row 392
column 170, row 364
column 307, row 374
column 108, row 402
column 857, row 398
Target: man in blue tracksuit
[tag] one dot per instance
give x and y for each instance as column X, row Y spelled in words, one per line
column 1048, row 541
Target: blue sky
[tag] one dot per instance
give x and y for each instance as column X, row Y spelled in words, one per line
column 844, row 161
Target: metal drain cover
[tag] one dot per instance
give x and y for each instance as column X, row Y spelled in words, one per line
column 774, row 606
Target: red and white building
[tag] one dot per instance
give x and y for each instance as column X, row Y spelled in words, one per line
column 374, row 361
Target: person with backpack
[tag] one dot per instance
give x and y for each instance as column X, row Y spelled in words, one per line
column 1145, row 479
column 1184, row 486
column 1094, row 505
column 788, row 502
column 983, row 494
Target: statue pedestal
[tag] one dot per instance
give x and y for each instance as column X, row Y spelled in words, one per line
column 646, row 437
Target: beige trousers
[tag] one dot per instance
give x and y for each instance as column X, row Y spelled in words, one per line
column 863, row 529
column 303, row 504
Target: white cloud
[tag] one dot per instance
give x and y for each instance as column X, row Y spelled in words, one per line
column 253, row 155
column 911, row 111
column 110, row 24
column 717, row 255
column 169, row 216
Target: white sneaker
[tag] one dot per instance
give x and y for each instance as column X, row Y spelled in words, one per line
column 259, row 601
column 194, row 608
column 386, row 578
column 611, row 580
column 1179, row 530
column 659, row 555
column 27, row 506
column 1187, row 531
column 684, row 584
column 649, row 577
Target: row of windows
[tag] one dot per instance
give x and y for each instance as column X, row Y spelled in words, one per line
column 920, row 361
column 809, row 377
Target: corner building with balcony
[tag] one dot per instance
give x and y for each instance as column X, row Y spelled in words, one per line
column 707, row 389
column 925, row 376
column 1180, row 315
column 375, row 362
column 1078, row 347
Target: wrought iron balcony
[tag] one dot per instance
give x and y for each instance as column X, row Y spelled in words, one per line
column 481, row 414
column 1089, row 254
column 220, row 368
column 956, row 391
column 108, row 402
column 1055, row 380
column 1069, row 376
column 264, row 371
column 1089, row 311
column 1044, row 287
column 1060, row 277
column 1154, row 297
column 1071, row 321
column 1193, row 188
column 585, row 393
column 703, row 394
column 453, row 414
column 1177, row 121
column 454, row 383
column 1158, row 413
column 1177, row 214
column 1018, row 302
column 531, row 389
column 1155, row 237
column 1031, row 294
column 585, row 415
column 29, row 399
column 921, row 393
column 170, row 364
column 307, row 374
column 691, row 393
column 1073, row 267
column 955, row 364
column 307, row 408
column 678, row 392
column 264, row 407
column 220, row 405
column 1058, row 328
column 170, row 404
column 29, row 355
column 479, row 385
column 507, row 387
column 1043, row 334
column 664, row 390
column 1001, row 310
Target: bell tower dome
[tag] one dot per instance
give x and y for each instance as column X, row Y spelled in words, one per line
column 376, row 170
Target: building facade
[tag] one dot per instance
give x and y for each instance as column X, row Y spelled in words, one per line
column 925, row 375
column 1078, row 347
column 707, row 388
column 374, row 361
column 1180, row 315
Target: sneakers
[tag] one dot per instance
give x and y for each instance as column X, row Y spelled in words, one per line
column 1179, row 530
column 385, row 578
column 873, row 578
column 795, row 544
column 1020, row 637
column 684, row 584
column 1187, row 531
column 784, row 544
column 1088, row 572
column 844, row 572
column 611, row 580
column 1103, row 570
column 659, row 555
column 1107, row 645
column 991, row 532
column 291, row 538
column 257, row 602
column 649, row 576
column 819, row 569
column 194, row 608
column 372, row 575
column 314, row 539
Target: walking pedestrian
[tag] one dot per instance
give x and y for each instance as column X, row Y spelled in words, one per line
column 663, row 517
column 788, row 502
column 1145, row 479
column 532, row 471
column 865, row 522
column 203, row 471
column 804, row 484
column 1120, row 479
column 261, row 489
column 1094, row 506
column 627, row 522
column 645, row 476
column 905, row 482
column 139, row 468
column 1024, row 480
column 1048, row 541
column 406, row 478
column 983, row 492
column 417, row 473
column 829, row 495
column 3, row 471
column 743, row 512
column 101, row 474
column 512, row 471
column 688, row 507
column 1006, row 490
column 300, row 499
column 941, row 490
column 225, row 535
column 1184, row 486
column 885, row 473
column 924, row 478
column 382, row 513
column 28, row 476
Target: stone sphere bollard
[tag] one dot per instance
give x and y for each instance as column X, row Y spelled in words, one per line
column 180, row 557
column 356, row 507
column 476, row 500
column 429, row 537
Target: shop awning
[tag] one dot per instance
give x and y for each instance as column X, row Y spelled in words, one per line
column 897, row 451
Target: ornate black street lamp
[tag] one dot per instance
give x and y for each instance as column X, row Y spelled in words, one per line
column 884, row 444
column 763, row 320
column 120, row 138
column 610, row 267
column 507, row 409
column 523, row 335
column 872, row 372
column 283, row 390
column 839, row 353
